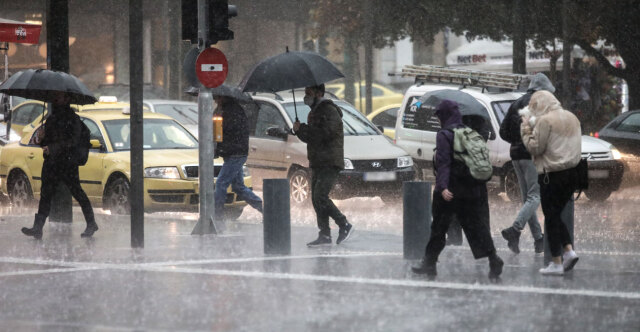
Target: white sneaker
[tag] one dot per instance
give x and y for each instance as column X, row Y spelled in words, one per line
column 569, row 260
column 553, row 270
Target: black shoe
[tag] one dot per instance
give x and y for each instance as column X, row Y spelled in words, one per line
column 513, row 239
column 322, row 240
column 344, row 233
column 427, row 266
column 495, row 267
column 91, row 228
column 538, row 245
column 36, row 230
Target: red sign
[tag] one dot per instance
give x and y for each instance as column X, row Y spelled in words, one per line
column 19, row 32
column 212, row 67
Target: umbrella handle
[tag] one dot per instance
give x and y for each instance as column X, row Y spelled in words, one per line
column 295, row 109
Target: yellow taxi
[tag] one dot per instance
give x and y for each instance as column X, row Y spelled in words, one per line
column 170, row 166
column 385, row 117
column 380, row 95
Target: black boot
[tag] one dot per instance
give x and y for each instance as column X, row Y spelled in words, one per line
column 512, row 236
column 538, row 245
column 427, row 266
column 92, row 227
column 495, row 266
column 36, row 230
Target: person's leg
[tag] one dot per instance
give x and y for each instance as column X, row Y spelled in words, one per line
column 322, row 217
column 222, row 183
column 555, row 191
column 72, row 180
column 442, row 213
column 325, row 182
column 49, row 180
column 238, row 187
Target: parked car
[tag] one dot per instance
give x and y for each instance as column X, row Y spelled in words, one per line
column 605, row 168
column 373, row 165
column 121, row 91
column 380, row 95
column 170, row 166
column 7, row 103
column 385, row 118
column 624, row 133
column 185, row 112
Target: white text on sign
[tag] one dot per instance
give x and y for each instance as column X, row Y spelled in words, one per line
column 211, row 67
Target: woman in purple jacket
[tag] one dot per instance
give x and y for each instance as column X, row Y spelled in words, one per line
column 452, row 196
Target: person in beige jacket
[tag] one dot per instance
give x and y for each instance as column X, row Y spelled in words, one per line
column 553, row 137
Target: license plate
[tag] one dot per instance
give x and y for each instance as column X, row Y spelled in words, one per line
column 380, row 176
column 598, row 174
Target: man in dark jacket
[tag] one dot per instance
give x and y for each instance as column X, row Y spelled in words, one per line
column 525, row 169
column 234, row 149
column 61, row 134
column 452, row 195
column 324, row 136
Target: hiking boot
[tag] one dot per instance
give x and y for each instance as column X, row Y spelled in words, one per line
column 512, row 236
column 36, row 230
column 91, row 228
column 553, row 270
column 427, row 266
column 569, row 260
column 495, row 266
column 344, row 233
column 538, row 245
column 322, row 240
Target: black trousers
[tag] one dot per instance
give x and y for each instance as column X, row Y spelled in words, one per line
column 472, row 213
column 322, row 181
column 556, row 189
column 54, row 173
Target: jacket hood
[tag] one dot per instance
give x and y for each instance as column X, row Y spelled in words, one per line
column 543, row 102
column 448, row 113
column 540, row 82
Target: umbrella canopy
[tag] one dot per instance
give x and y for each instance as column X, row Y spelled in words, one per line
column 232, row 92
column 289, row 70
column 43, row 85
column 19, row 32
column 468, row 105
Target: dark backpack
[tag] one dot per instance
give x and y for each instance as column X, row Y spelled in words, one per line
column 81, row 149
column 470, row 156
column 581, row 176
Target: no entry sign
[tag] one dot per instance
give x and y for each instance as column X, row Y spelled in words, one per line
column 212, row 67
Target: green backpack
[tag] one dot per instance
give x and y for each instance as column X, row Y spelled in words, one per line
column 469, row 147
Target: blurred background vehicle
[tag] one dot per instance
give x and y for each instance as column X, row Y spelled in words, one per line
column 385, row 117
column 185, row 112
column 624, row 133
column 121, row 91
column 380, row 95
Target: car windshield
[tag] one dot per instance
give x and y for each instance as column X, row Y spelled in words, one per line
column 158, row 134
column 185, row 114
column 500, row 108
column 354, row 123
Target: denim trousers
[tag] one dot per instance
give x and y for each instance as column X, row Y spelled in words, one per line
column 231, row 175
column 530, row 192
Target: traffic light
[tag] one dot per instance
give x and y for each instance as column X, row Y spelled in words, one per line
column 219, row 14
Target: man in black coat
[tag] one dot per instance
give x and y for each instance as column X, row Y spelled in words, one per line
column 234, row 149
column 61, row 134
column 524, row 168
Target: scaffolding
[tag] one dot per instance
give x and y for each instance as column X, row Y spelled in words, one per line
column 465, row 77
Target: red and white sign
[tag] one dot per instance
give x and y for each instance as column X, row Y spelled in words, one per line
column 212, row 67
column 19, row 32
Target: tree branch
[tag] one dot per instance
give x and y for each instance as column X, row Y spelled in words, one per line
column 586, row 46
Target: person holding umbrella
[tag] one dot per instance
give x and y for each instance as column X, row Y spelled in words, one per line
column 325, row 149
column 234, row 149
column 62, row 132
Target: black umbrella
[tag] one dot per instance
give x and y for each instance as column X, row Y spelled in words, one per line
column 289, row 70
column 473, row 113
column 44, row 85
column 232, row 92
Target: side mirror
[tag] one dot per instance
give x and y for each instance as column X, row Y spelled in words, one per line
column 95, row 144
column 278, row 132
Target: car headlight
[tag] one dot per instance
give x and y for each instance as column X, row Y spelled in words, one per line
column 616, row 154
column 348, row 164
column 162, row 172
column 245, row 170
column 405, row 162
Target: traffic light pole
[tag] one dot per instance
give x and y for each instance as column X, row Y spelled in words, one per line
column 206, row 222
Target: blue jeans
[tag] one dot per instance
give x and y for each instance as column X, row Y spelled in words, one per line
column 530, row 191
column 231, row 175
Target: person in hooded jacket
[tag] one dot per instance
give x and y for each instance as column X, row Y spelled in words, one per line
column 234, row 150
column 525, row 169
column 58, row 140
column 452, row 195
column 324, row 136
column 553, row 137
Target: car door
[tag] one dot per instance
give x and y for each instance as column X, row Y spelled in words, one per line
column 34, row 159
column 92, row 173
column 416, row 131
column 266, row 153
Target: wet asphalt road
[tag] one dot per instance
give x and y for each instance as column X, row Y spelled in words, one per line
column 226, row 283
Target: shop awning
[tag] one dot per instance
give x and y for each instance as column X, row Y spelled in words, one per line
column 19, row 32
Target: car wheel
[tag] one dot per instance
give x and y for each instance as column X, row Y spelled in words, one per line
column 233, row 213
column 511, row 186
column 20, row 192
column 300, row 187
column 117, row 196
column 598, row 195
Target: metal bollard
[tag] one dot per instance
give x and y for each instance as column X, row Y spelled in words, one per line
column 416, row 218
column 276, row 217
column 567, row 218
